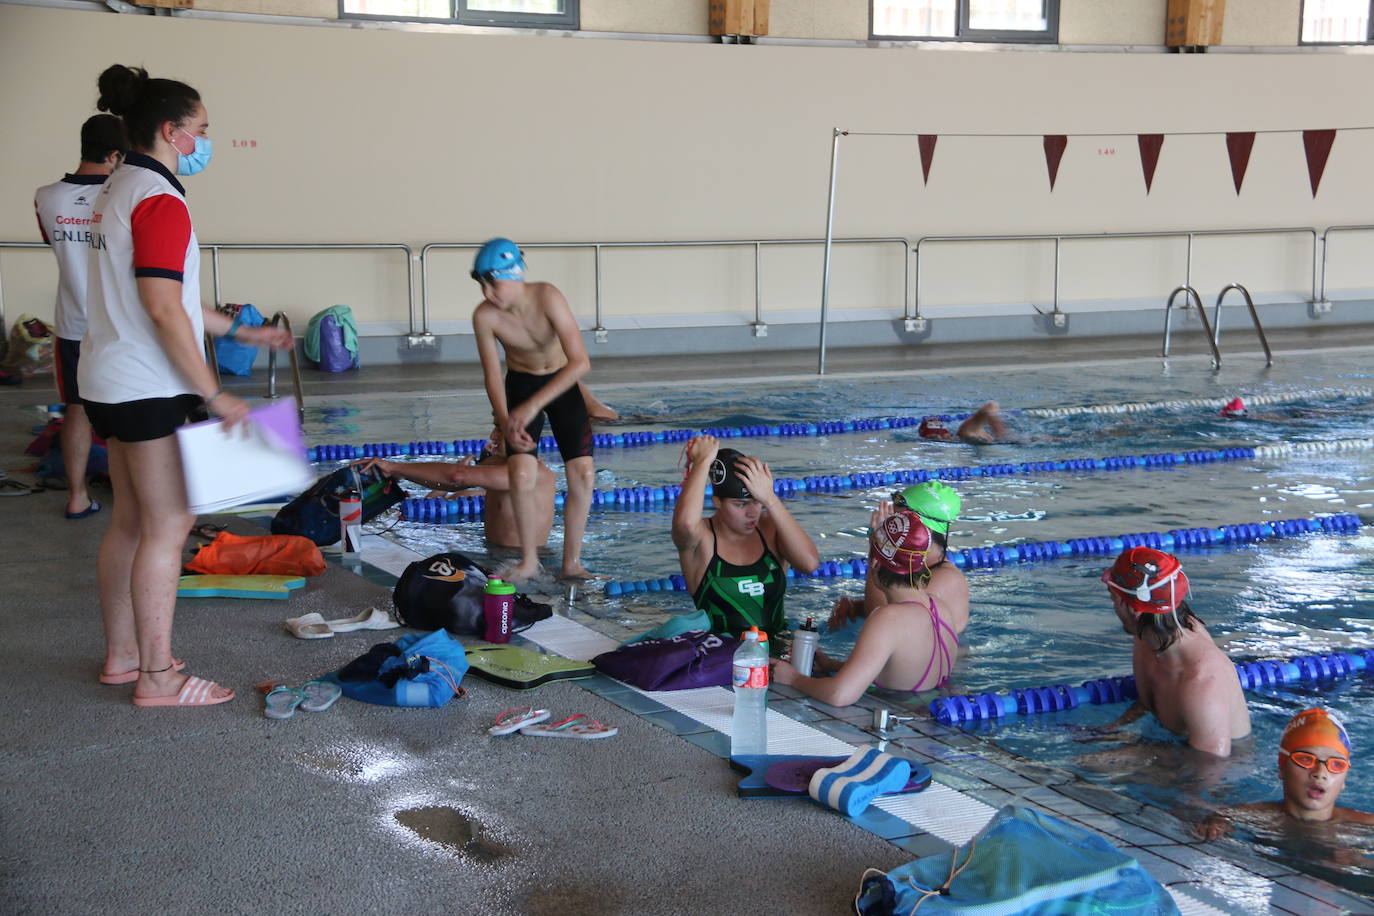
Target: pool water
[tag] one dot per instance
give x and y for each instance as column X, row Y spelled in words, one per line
column 1039, row 624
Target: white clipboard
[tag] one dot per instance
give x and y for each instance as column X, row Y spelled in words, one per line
column 259, row 459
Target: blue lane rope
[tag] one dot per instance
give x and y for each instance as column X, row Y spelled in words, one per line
column 966, row 709
column 650, row 499
column 435, row 447
column 1002, row 555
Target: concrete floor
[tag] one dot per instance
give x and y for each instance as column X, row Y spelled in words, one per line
column 113, row 809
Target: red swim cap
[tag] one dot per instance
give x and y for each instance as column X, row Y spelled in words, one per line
column 1150, row 581
column 1234, row 408
column 933, row 428
column 899, row 543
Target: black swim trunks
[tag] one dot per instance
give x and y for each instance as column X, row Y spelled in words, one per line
column 572, row 428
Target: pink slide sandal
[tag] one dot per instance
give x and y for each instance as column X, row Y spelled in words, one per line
column 195, row 692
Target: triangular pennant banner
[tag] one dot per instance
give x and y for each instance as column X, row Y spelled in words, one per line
column 1054, row 151
column 1317, row 144
column 927, row 144
column 1238, row 146
column 1150, row 145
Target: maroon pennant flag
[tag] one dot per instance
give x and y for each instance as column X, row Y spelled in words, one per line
column 927, row 143
column 1238, row 146
column 1317, row 144
column 1150, row 145
column 1054, row 151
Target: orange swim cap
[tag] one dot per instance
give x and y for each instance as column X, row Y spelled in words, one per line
column 1315, row 728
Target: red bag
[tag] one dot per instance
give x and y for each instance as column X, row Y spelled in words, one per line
column 261, row 555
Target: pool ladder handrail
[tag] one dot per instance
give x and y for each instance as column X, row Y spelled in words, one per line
column 1254, row 317
column 1206, row 326
column 1213, row 328
column 278, row 319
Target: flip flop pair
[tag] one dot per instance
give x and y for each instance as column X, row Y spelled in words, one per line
column 314, row 626
column 314, row 696
column 530, row 721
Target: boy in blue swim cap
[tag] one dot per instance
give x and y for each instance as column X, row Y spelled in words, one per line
column 545, row 360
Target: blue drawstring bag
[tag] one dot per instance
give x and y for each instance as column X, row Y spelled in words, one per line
column 419, row 669
column 234, row 357
column 1021, row 862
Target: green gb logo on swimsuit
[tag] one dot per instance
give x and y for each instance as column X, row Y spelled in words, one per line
column 751, row 587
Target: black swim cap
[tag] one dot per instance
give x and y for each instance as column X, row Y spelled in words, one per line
column 725, row 481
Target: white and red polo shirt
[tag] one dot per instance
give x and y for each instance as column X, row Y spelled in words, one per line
column 141, row 227
column 64, row 211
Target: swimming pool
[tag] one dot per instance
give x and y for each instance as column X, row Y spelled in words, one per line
column 1035, row 624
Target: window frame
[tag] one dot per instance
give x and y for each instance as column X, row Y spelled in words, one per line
column 459, row 14
column 1049, row 36
column 1368, row 29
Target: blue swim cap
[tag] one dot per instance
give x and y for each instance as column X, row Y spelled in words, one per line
column 499, row 259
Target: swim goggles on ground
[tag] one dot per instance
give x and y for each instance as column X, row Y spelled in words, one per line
column 1334, row 765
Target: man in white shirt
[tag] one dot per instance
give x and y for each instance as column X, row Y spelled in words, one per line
column 64, row 218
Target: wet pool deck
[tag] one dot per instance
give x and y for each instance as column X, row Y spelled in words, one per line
column 115, row 809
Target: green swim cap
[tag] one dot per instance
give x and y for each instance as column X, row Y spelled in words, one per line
column 936, row 503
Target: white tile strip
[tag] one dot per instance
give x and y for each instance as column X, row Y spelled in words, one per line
column 940, row 811
column 1187, row 906
column 387, row 555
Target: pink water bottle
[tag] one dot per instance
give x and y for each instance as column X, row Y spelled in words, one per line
column 498, row 609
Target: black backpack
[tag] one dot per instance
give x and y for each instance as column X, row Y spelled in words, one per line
column 445, row 591
column 315, row 513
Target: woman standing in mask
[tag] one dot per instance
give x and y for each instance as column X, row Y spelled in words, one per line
column 145, row 375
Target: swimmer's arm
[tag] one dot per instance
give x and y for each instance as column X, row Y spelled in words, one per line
column 794, row 544
column 570, row 336
column 491, row 363
column 442, row 475
column 687, row 517
column 855, row 674
column 1354, row 816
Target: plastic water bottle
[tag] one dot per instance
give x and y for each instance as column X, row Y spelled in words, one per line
column 351, row 522
column 749, row 730
column 498, row 610
column 804, row 647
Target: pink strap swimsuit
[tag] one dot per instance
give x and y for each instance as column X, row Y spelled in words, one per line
column 940, row 649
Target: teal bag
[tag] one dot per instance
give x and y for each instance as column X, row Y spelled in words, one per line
column 419, row 669
column 1021, row 862
column 674, row 626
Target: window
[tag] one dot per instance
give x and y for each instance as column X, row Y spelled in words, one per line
column 1335, row 21
column 537, row 14
column 966, row 20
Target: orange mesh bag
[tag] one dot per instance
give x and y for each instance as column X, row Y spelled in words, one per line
column 262, row 555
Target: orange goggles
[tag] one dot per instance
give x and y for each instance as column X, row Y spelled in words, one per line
column 1334, row 765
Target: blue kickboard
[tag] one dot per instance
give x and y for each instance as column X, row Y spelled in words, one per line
column 754, row 783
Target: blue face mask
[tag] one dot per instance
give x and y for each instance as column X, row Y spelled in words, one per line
column 199, row 159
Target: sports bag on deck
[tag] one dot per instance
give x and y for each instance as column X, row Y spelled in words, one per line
column 259, row 555
column 693, row 659
column 445, row 592
column 315, row 513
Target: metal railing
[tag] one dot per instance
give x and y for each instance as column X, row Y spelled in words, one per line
column 1059, row 239
column 1326, row 250
column 216, row 248
column 758, row 324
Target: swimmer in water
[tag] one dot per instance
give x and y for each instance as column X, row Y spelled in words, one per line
column 908, row 643
column 735, row 562
column 1314, row 758
column 983, row 427
column 1181, row 676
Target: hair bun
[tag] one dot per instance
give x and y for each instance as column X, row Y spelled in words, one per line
column 120, row 88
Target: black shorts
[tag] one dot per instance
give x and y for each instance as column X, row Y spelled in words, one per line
column 145, row 420
column 66, row 356
column 572, row 428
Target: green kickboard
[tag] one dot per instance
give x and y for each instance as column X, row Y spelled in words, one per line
column 522, row 669
column 278, row 587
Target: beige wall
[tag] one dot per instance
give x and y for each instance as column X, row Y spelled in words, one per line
column 355, row 135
